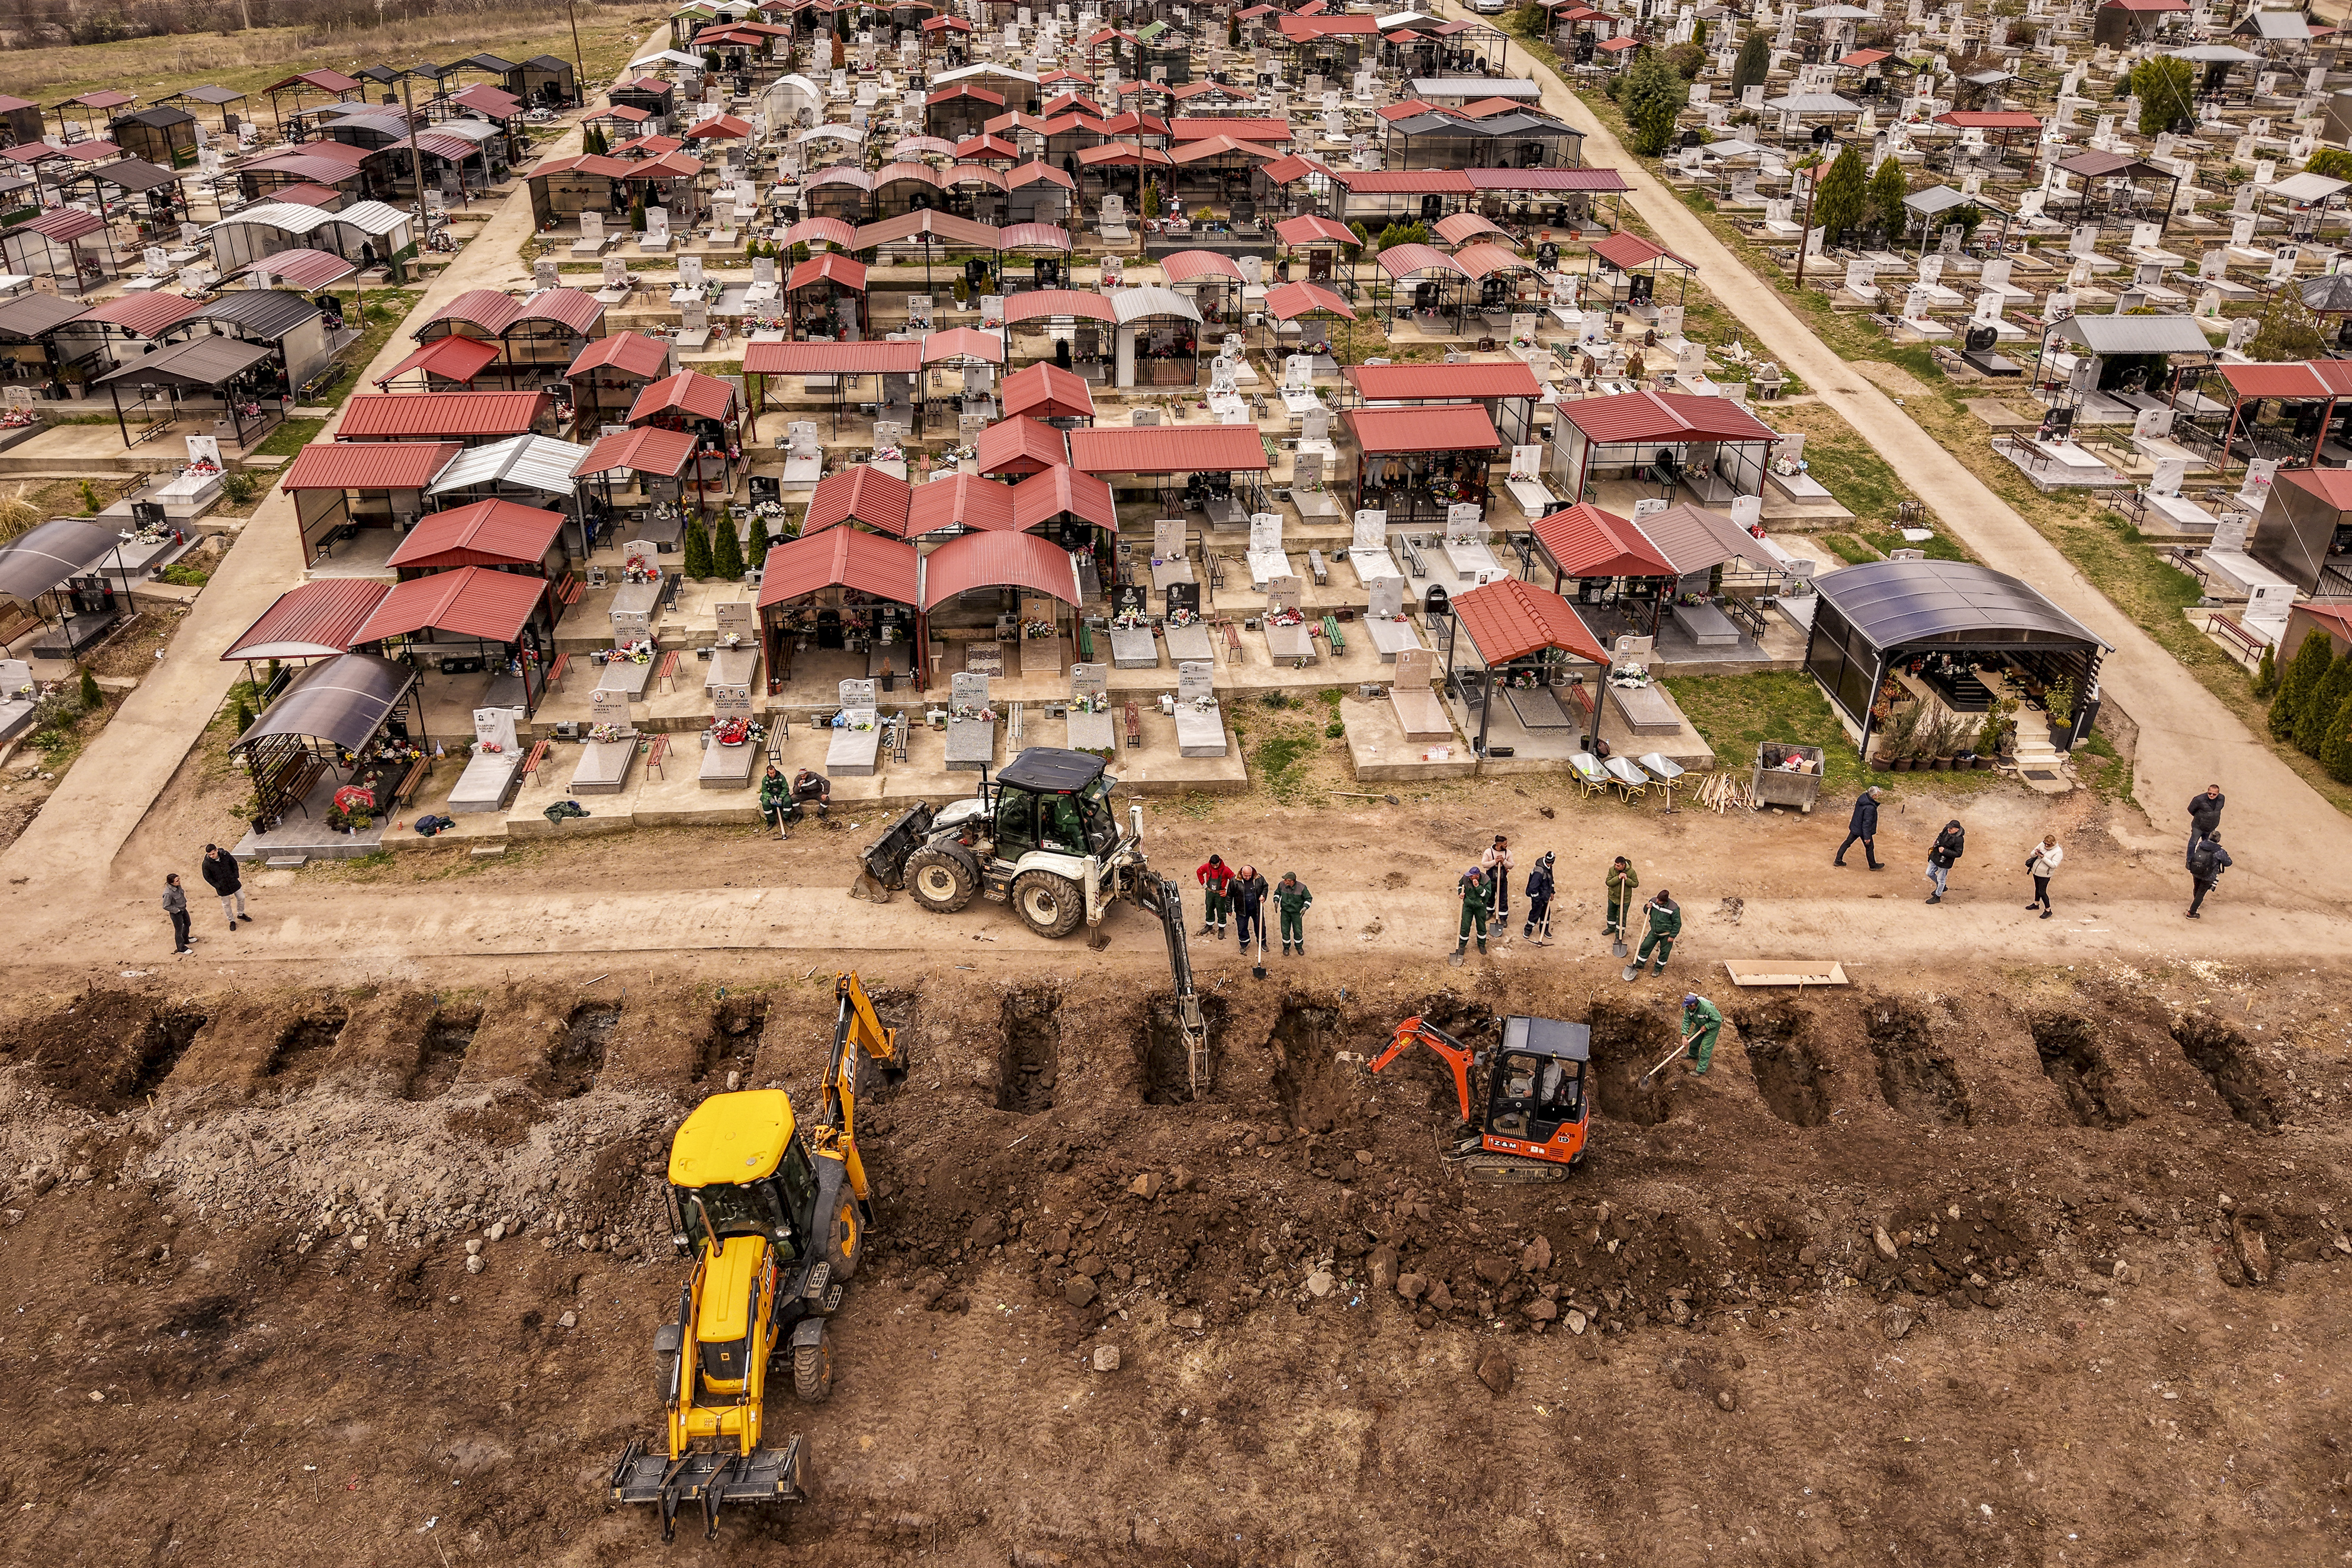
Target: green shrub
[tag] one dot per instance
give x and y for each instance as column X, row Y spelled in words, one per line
column 2336, row 743
column 1333, row 730
column 2319, row 708
column 696, row 549
column 244, row 716
column 240, row 485
column 2305, row 672
column 1654, row 95
column 726, row 550
column 92, row 699
column 2266, row 674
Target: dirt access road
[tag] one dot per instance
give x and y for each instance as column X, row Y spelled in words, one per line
column 1975, row 1265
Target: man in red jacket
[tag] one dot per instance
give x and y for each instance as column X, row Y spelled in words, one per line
column 1216, row 879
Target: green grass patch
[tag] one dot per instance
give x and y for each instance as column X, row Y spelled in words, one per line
column 290, row 437
column 1738, row 713
column 183, row 574
column 1280, row 760
column 1848, row 548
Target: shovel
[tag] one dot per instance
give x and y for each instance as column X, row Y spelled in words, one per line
column 1359, row 795
column 1632, row 970
column 1669, row 1061
column 1257, row 969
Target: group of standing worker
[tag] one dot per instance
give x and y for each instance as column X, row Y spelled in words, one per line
column 1240, row 893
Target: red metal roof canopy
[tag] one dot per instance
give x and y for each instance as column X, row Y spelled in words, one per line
column 486, row 533
column 963, row 500
column 452, row 358
column 1469, row 380
column 1047, row 391
column 373, row 416
column 1508, row 619
column 688, row 392
column 1168, row 449
column 1585, row 541
column 1432, row 427
column 472, row 602
column 865, row 494
column 646, row 451
column 840, row 558
column 869, row 358
column 368, row 465
column 313, row 622
column 999, row 560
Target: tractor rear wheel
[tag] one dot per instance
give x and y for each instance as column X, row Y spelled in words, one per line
column 1048, row 905
column 813, row 1370
column 942, row 878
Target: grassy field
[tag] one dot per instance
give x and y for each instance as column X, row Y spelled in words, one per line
column 1736, row 713
column 250, row 60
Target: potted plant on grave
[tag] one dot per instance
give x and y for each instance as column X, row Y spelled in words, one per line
column 1993, row 731
column 1895, row 748
column 338, row 820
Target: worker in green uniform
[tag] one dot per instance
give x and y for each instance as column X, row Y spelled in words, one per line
column 1702, row 1021
column 1665, row 922
column 1291, row 897
column 776, row 799
column 1622, row 882
column 1473, row 891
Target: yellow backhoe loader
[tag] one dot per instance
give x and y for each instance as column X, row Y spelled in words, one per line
column 774, row 1213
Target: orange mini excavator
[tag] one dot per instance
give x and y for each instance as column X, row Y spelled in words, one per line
column 1538, row 1106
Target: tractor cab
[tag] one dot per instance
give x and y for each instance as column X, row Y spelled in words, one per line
column 738, row 1169
column 1054, row 800
column 1538, row 1101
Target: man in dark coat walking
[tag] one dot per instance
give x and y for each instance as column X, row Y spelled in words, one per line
column 2204, row 816
column 1863, row 825
column 1950, row 844
column 2207, row 862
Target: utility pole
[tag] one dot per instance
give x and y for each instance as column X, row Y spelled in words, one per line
column 417, row 166
column 579, row 60
column 1817, row 174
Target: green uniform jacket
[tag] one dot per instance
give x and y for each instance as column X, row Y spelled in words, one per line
column 1667, row 922
column 1703, row 1020
column 774, row 792
column 1621, row 884
column 1294, row 899
column 1474, row 896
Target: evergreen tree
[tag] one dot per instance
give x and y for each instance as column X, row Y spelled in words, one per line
column 91, row 697
column 637, row 215
column 2266, row 674
column 2162, row 83
column 698, row 548
column 726, row 550
column 2335, row 744
column 1653, row 94
column 755, row 554
column 1887, row 189
column 1698, row 32
column 2305, row 673
column 1843, row 195
column 1754, row 64
column 2319, row 707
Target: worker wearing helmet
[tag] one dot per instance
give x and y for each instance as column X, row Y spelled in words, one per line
column 1702, row 1021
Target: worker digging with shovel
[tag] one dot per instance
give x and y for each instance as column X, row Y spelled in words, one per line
column 1702, row 1022
column 1473, row 891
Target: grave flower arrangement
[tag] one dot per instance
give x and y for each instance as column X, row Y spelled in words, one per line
column 605, row 732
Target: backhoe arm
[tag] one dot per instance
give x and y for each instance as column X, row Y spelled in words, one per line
column 1456, row 1054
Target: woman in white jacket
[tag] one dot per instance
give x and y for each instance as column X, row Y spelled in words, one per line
column 2042, row 864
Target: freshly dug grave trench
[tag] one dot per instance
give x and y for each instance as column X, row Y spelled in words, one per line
column 2228, row 1062
column 1163, row 1058
column 301, row 1050
column 447, row 1040
column 1915, row 1076
column 2073, row 1060
column 1028, row 1053
column 732, row 1043
column 571, row 1070
column 1627, row 1041
column 1779, row 1040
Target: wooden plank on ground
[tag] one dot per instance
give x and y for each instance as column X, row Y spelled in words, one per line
column 1798, row 972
